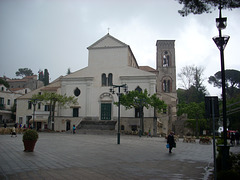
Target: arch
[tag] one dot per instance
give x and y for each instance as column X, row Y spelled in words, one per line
column 167, row 84
column 104, row 80
column 166, row 58
column 110, row 79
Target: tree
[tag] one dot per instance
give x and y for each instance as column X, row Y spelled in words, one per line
column 205, row 6
column 195, row 112
column 139, row 100
column 44, row 76
column 24, row 72
column 192, row 81
column 53, row 99
column 4, row 82
column 232, row 78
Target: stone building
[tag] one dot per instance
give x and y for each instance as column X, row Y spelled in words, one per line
column 30, row 82
column 110, row 61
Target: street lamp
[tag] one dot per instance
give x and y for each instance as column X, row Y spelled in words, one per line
column 118, row 94
column 34, row 102
column 221, row 42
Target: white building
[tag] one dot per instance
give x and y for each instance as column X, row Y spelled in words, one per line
column 110, row 62
column 7, row 102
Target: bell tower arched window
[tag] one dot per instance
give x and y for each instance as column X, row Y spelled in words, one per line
column 166, row 85
column 166, row 59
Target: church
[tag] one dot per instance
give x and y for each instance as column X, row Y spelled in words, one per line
column 110, row 62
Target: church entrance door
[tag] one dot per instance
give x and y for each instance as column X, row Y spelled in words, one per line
column 106, row 109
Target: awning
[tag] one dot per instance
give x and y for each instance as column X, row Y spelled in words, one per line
column 38, row 120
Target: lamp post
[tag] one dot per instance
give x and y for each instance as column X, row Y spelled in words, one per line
column 221, row 42
column 118, row 94
column 34, row 102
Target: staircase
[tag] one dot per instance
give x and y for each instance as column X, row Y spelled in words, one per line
column 96, row 127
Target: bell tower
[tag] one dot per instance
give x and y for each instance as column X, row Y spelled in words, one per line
column 166, row 82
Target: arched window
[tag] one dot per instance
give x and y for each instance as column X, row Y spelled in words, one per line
column 166, row 86
column 138, row 110
column 104, row 80
column 110, row 77
column 166, row 59
column 107, row 81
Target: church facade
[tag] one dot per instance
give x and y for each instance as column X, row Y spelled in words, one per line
column 110, row 62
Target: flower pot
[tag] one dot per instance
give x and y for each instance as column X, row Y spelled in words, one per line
column 29, row 145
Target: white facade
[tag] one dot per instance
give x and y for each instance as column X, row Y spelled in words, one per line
column 110, row 61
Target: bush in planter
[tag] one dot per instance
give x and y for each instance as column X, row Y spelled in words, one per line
column 29, row 139
column 30, row 135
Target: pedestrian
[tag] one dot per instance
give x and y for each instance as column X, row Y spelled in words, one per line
column 171, row 141
column 149, row 133
column 74, row 129
column 14, row 132
column 237, row 137
column 232, row 138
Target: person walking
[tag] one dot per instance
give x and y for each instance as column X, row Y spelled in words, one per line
column 74, row 129
column 237, row 137
column 232, row 138
column 14, row 132
column 171, row 141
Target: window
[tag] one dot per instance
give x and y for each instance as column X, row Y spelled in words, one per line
column 138, row 110
column 29, row 105
column 9, row 102
column 77, row 92
column 2, row 88
column 39, row 105
column 75, row 112
column 47, row 108
column 166, row 86
column 107, row 81
column 110, row 79
column 26, row 91
column 166, row 59
column 20, row 120
column 104, row 80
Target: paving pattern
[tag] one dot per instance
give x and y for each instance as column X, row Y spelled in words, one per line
column 85, row 156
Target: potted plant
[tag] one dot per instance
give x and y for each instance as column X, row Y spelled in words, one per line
column 29, row 139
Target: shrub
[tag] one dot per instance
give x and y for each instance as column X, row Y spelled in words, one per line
column 30, row 135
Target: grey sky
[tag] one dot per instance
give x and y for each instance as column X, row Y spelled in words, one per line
column 54, row 34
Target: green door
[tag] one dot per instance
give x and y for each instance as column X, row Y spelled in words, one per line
column 106, row 109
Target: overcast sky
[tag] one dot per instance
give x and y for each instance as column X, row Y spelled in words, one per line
column 55, row 34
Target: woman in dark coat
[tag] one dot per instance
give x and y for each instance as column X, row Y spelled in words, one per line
column 170, row 141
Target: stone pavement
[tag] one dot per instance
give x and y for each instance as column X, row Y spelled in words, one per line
column 84, row 156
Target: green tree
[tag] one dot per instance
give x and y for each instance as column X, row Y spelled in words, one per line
column 24, row 72
column 195, row 112
column 140, row 100
column 53, row 99
column 46, row 77
column 205, row 6
column 4, row 82
column 232, row 78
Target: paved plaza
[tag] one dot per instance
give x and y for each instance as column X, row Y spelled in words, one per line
column 86, row 156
